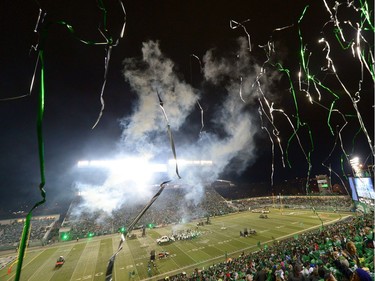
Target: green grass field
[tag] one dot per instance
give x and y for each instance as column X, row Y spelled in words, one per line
column 87, row 259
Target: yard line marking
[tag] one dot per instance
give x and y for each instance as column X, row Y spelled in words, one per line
column 24, row 265
column 42, row 267
column 228, row 236
column 114, row 244
column 179, row 270
column 93, row 249
column 185, row 253
column 75, row 269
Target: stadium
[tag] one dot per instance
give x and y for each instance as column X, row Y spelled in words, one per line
column 221, row 140
column 227, row 238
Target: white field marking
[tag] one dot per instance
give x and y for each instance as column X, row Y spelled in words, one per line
column 141, row 257
column 170, row 258
column 39, row 269
column 262, row 231
column 125, row 244
column 94, row 249
column 43, row 267
column 25, row 264
column 169, row 273
column 204, row 241
column 295, row 222
column 280, row 226
column 228, row 236
column 185, row 253
column 296, row 213
column 196, row 249
column 76, row 267
column 114, row 247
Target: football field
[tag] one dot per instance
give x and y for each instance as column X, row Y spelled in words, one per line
column 87, row 259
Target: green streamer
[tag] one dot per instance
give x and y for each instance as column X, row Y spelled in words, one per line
column 366, row 14
column 329, row 118
column 302, row 52
column 372, row 70
column 26, row 228
column 337, row 31
column 285, row 70
column 42, row 28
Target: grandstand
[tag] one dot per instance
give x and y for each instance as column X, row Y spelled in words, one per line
column 171, row 208
column 42, row 229
column 300, row 232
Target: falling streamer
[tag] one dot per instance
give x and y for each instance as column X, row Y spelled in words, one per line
column 199, row 105
column 40, row 20
column 234, row 24
column 329, row 167
column 241, row 90
column 260, row 110
column 111, row 262
column 26, row 228
column 41, row 28
column 356, row 47
column 202, row 117
column 169, row 134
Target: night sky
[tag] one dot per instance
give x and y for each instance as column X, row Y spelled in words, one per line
column 176, row 33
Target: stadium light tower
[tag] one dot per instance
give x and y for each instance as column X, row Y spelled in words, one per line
column 356, row 166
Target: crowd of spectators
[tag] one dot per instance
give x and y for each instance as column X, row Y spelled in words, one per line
column 328, row 203
column 171, row 208
column 341, row 251
column 11, row 231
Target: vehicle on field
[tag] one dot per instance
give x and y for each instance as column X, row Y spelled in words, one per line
column 164, row 239
column 163, row 254
column 60, row 262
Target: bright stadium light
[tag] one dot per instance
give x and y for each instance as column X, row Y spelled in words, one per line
column 356, row 166
column 184, row 162
column 125, row 164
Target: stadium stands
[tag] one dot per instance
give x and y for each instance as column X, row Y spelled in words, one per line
column 337, row 252
column 340, row 250
column 326, row 203
column 11, row 230
column 170, row 208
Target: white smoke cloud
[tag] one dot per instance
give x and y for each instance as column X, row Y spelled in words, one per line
column 144, row 131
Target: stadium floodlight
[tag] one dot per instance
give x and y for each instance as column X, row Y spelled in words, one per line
column 184, row 162
column 128, row 164
column 356, row 166
column 354, row 161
